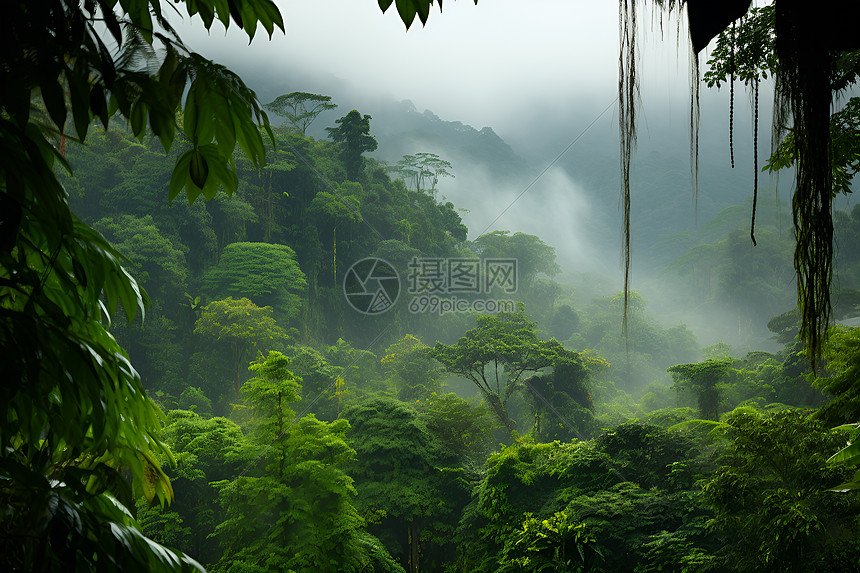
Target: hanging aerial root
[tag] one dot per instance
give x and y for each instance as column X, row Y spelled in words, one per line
column 628, row 96
column 804, row 90
column 732, row 95
column 755, row 162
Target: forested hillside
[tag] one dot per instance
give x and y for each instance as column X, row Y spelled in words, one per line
column 405, row 439
column 241, row 348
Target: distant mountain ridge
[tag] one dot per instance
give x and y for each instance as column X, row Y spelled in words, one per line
column 489, row 174
column 664, row 200
column 401, row 129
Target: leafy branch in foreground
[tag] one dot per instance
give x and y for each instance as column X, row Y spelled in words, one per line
column 408, row 9
column 75, row 410
column 845, row 148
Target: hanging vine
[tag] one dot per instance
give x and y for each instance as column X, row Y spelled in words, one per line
column 755, row 161
column 732, row 95
column 628, row 100
column 807, row 52
column 796, row 47
column 745, row 52
column 804, row 94
column 628, row 97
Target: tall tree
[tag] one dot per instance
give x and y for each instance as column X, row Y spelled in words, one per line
column 462, row 427
column 422, row 171
column 495, row 356
column 159, row 264
column 207, row 450
column 412, row 370
column 647, row 350
column 300, row 108
column 241, row 326
column 841, row 380
column 323, row 383
column 533, row 256
column 353, row 135
column 561, row 402
column 337, row 209
column 770, row 499
column 706, row 380
column 266, row 273
column 396, row 452
column 272, row 390
column 156, row 261
column 297, row 513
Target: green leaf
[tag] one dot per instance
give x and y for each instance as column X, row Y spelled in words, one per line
column 236, row 13
column 220, row 170
column 138, row 119
column 98, row 103
column 138, row 11
column 52, row 95
column 179, row 177
column 225, row 129
column 423, row 9
column 250, row 141
column 110, row 20
column 849, row 427
column 198, row 168
column 204, row 128
column 114, row 103
column 845, row 455
column 207, row 14
column 849, row 485
column 79, row 96
column 191, row 113
column 269, row 15
column 223, row 11
column 249, row 17
column 164, row 127
column 407, row 10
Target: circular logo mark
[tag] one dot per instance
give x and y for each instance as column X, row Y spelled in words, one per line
column 371, row 286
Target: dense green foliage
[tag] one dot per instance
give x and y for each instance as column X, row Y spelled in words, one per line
column 76, row 412
column 287, row 432
column 497, row 354
column 300, row 108
column 345, row 446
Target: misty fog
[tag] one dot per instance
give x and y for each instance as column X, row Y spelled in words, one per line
column 545, row 87
column 387, row 326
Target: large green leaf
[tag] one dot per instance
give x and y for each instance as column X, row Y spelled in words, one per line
column 76, row 412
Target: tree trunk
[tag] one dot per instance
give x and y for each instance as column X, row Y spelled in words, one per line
column 501, row 411
column 239, row 354
column 412, row 533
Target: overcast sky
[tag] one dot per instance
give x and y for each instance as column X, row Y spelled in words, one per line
column 494, row 64
column 537, row 72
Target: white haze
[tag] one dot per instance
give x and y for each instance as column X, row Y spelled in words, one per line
column 553, row 207
column 478, row 64
column 539, row 73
